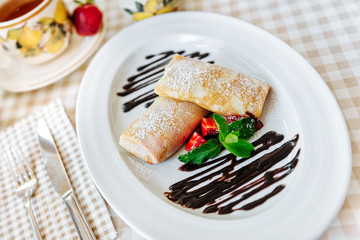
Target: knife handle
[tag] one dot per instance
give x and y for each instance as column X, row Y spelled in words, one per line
column 81, row 225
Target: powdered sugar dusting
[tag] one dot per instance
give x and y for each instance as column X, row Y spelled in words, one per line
column 157, row 122
column 180, row 76
column 141, row 170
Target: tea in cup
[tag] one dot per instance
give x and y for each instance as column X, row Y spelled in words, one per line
column 34, row 31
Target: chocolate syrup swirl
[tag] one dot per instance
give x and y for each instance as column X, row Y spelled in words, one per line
column 221, row 188
column 148, row 75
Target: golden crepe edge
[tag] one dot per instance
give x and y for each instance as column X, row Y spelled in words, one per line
column 213, row 87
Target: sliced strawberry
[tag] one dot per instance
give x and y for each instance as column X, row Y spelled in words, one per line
column 208, row 127
column 232, row 118
column 195, row 141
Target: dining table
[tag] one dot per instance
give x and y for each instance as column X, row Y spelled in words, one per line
column 324, row 32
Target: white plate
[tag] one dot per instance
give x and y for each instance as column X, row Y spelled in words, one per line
column 299, row 103
column 17, row 76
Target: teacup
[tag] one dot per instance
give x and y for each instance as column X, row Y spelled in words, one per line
column 34, row 31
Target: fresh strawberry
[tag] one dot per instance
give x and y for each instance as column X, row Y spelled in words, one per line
column 233, row 118
column 208, row 127
column 195, row 141
column 87, row 18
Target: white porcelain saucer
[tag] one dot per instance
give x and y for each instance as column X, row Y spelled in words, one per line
column 16, row 76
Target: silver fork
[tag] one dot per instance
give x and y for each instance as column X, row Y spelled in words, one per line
column 26, row 182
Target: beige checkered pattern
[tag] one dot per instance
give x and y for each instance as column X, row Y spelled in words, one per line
column 51, row 212
column 325, row 32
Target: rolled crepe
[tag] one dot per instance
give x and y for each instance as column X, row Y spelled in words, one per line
column 213, row 87
column 162, row 129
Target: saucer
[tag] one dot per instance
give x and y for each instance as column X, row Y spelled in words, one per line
column 16, row 76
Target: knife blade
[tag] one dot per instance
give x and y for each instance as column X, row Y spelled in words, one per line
column 60, row 181
column 53, row 162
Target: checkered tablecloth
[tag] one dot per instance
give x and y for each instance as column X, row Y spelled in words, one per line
column 325, row 32
column 50, row 210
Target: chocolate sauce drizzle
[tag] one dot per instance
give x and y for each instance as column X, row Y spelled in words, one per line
column 149, row 74
column 223, row 194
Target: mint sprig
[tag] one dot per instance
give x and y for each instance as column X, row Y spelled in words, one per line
column 232, row 136
column 208, row 150
column 237, row 146
column 234, row 139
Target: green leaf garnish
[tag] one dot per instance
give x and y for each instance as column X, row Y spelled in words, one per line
column 240, row 148
column 208, row 150
column 245, row 126
column 233, row 137
column 221, row 125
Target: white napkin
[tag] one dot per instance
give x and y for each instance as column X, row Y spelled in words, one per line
column 51, row 213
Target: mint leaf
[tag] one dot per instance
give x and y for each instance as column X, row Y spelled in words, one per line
column 241, row 148
column 238, row 147
column 245, row 126
column 221, row 125
column 232, row 137
column 208, row 150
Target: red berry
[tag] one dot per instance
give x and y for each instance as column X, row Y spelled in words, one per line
column 208, row 127
column 195, row 141
column 87, row 19
column 233, row 118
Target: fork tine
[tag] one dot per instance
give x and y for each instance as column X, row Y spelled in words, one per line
column 7, row 155
column 16, row 163
column 29, row 172
column 20, row 162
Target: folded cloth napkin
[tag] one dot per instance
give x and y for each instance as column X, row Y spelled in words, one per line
column 50, row 210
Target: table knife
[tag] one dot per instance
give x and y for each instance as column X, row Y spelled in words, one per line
column 60, row 180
